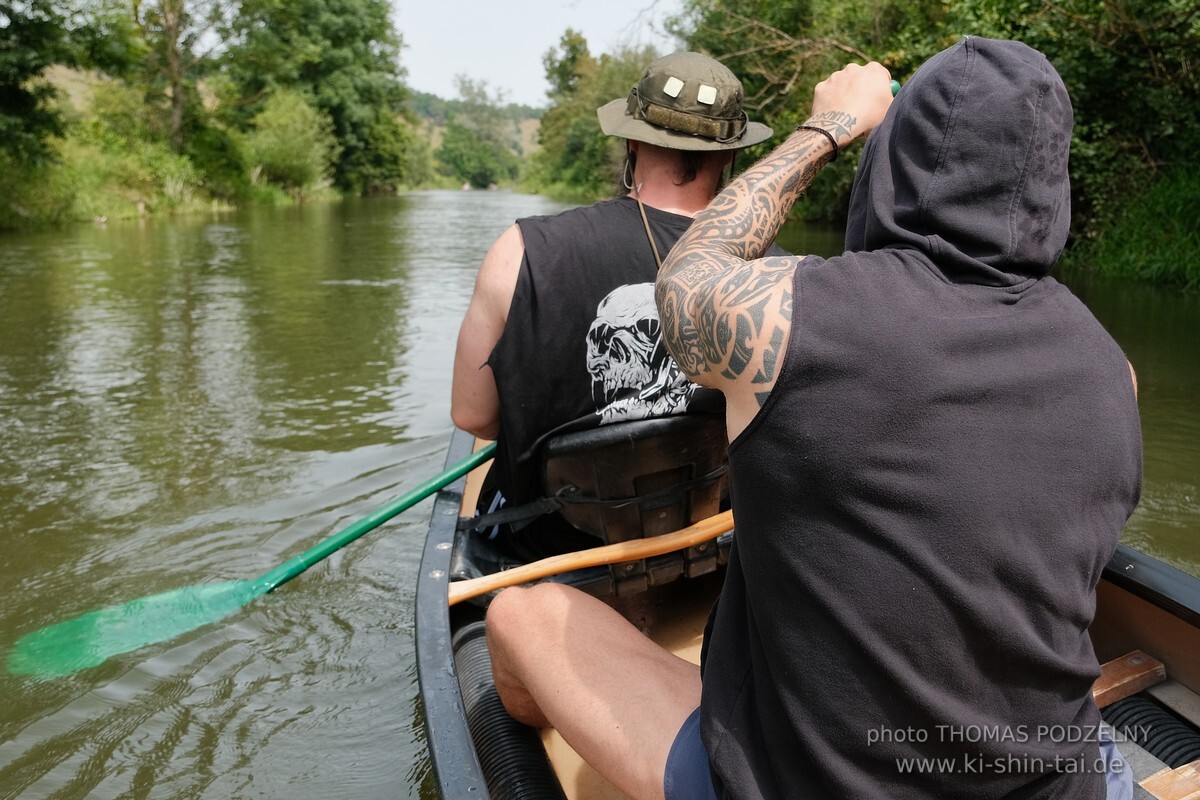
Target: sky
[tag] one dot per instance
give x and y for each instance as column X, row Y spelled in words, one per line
column 502, row 42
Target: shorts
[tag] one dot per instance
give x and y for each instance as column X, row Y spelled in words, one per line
column 687, row 776
column 1118, row 776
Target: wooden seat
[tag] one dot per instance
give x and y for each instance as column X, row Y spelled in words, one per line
column 1125, row 676
column 1182, row 783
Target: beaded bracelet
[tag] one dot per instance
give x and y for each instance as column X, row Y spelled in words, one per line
column 836, row 150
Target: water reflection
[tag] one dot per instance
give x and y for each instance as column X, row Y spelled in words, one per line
column 197, row 400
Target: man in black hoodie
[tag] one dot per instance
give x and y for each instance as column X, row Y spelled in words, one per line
column 934, row 447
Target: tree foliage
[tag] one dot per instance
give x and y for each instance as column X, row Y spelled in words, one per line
column 342, row 53
column 481, row 141
column 173, row 34
column 33, row 35
column 203, row 91
column 292, row 144
column 576, row 159
column 1128, row 64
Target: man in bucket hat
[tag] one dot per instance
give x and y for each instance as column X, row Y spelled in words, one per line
column 562, row 329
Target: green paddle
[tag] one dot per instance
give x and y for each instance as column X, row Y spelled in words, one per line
column 90, row 639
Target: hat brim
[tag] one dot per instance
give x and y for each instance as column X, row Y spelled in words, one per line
column 615, row 122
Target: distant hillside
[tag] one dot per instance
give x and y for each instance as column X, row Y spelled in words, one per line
column 436, row 109
column 433, row 112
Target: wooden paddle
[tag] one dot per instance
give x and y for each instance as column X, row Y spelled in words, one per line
column 702, row 531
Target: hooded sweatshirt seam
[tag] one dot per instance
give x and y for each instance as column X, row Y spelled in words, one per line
column 1020, row 190
column 952, row 125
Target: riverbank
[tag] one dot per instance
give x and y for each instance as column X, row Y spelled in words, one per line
column 1154, row 237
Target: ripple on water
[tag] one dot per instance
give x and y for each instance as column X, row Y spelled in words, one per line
column 290, row 692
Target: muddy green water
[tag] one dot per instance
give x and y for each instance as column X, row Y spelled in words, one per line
column 194, row 400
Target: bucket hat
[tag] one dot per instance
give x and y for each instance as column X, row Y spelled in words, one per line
column 684, row 101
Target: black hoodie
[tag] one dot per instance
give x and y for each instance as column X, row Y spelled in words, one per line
column 926, row 500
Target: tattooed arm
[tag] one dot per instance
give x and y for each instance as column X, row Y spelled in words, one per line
column 726, row 311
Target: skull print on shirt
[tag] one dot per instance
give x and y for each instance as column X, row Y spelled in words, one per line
column 633, row 375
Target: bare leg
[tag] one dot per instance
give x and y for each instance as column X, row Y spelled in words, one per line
column 563, row 658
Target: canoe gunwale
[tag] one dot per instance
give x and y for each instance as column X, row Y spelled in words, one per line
column 456, row 767
column 1157, row 582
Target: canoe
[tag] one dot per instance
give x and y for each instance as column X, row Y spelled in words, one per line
column 1146, row 635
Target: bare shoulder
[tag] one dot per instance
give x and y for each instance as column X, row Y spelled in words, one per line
column 497, row 278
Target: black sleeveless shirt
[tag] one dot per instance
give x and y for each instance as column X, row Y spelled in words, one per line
column 927, row 498
column 581, row 346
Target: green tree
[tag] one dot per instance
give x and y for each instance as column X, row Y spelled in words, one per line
column 481, row 137
column 40, row 185
column 781, row 50
column 292, row 144
column 566, row 64
column 342, row 53
column 33, row 35
column 465, row 157
column 1128, row 64
column 178, row 37
column 576, row 160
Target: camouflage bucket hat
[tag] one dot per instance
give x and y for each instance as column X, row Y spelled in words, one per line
column 684, row 101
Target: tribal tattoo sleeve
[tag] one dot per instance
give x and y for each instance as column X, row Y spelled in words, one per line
column 726, row 311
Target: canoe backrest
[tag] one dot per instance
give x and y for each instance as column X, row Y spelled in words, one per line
column 639, row 478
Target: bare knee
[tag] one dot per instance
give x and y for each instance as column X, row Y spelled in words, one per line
column 518, row 621
column 524, row 609
column 507, row 609
column 522, row 622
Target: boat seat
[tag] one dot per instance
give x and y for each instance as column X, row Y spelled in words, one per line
column 635, row 479
column 642, row 478
column 1126, row 676
column 618, row 482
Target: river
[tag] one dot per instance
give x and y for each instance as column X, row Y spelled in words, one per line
column 199, row 399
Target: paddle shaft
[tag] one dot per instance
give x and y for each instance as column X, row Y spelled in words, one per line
column 294, row 566
column 695, row 534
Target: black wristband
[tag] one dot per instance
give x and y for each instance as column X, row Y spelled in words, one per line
column 828, row 135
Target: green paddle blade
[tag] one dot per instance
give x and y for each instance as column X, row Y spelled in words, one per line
column 88, row 640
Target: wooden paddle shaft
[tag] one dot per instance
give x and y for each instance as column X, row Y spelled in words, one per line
column 632, row 550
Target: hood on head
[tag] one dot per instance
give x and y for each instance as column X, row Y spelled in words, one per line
column 970, row 166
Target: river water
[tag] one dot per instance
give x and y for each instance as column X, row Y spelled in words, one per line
column 196, row 400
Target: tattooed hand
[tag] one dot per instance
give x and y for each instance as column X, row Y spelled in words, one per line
column 852, row 101
column 726, row 312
